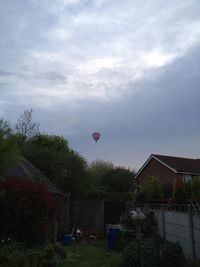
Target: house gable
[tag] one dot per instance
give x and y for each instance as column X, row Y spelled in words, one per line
column 155, row 167
column 147, row 162
column 173, row 167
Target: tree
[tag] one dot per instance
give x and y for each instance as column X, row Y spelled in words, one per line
column 96, row 171
column 107, row 181
column 25, row 126
column 152, row 189
column 119, row 183
column 196, row 188
column 9, row 152
column 63, row 166
column 5, row 128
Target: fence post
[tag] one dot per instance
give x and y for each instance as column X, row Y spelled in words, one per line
column 163, row 222
column 102, row 216
column 191, row 235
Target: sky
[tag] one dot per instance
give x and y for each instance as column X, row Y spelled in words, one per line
column 127, row 69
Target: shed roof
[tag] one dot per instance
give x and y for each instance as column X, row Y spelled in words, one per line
column 26, row 168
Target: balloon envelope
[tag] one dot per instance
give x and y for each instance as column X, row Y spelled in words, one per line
column 96, row 136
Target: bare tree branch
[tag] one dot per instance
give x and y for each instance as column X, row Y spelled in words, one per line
column 26, row 126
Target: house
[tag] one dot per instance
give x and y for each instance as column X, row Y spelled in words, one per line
column 169, row 169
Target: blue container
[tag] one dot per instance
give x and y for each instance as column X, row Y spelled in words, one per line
column 68, row 239
column 113, row 236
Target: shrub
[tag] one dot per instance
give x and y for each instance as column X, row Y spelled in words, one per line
column 196, row 188
column 25, row 205
column 172, row 255
column 130, row 255
column 48, row 257
column 152, row 189
column 125, row 238
column 180, row 194
column 167, row 190
column 17, row 259
column 193, row 263
column 13, row 254
column 188, row 189
column 141, row 254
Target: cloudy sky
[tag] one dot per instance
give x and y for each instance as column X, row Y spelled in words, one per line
column 128, row 69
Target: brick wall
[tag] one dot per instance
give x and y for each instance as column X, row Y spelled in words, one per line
column 155, row 168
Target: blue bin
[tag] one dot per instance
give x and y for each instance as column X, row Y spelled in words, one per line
column 113, row 236
column 68, row 239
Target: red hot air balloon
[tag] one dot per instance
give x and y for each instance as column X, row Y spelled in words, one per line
column 96, row 136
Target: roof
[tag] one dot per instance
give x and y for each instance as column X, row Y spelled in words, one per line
column 176, row 164
column 26, row 168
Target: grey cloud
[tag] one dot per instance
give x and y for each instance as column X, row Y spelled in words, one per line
column 52, row 76
column 157, row 113
column 5, row 73
column 163, row 117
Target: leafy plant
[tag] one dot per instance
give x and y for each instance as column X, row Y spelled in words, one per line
column 167, row 190
column 196, row 188
column 62, row 165
column 150, row 254
column 25, row 208
column 193, row 263
column 17, row 259
column 48, row 257
column 172, row 255
column 180, row 194
column 141, row 254
column 152, row 189
column 9, row 152
column 32, row 257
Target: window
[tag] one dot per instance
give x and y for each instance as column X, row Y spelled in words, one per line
column 187, row 178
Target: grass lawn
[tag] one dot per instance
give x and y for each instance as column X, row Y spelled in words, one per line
column 95, row 254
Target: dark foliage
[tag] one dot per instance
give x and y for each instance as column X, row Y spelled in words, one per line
column 172, row 255
column 167, row 190
column 180, row 195
column 141, row 254
column 9, row 152
column 63, row 166
column 25, row 206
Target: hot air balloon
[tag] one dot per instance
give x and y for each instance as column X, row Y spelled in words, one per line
column 96, row 136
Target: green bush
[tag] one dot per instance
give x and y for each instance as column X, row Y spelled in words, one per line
column 13, row 254
column 196, row 188
column 152, row 189
column 48, row 257
column 188, row 189
column 141, row 254
column 124, row 239
column 130, row 255
column 172, row 255
column 167, row 190
column 180, row 194
column 32, row 257
column 17, row 259
column 193, row 263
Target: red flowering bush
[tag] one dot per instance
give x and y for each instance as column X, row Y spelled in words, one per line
column 24, row 205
